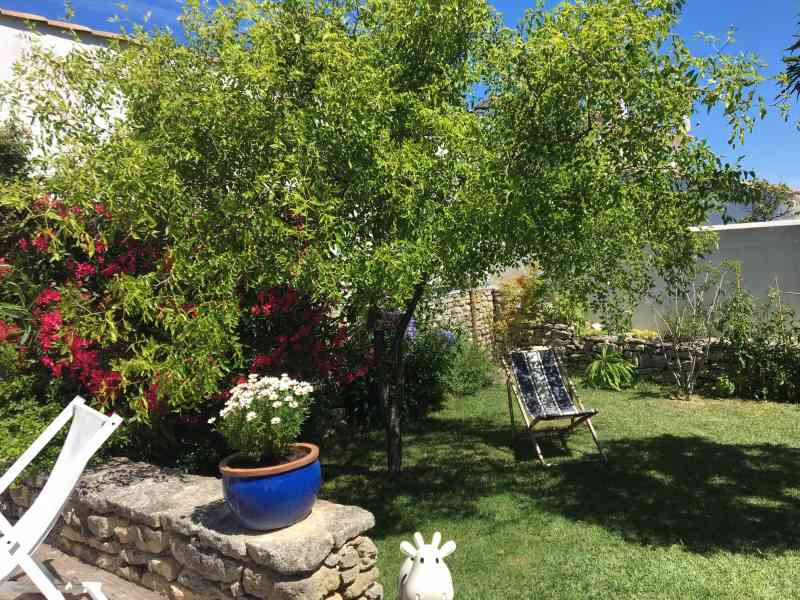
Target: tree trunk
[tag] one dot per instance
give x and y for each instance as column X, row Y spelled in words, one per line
column 391, row 386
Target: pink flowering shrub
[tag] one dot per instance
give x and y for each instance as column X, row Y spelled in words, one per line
column 106, row 314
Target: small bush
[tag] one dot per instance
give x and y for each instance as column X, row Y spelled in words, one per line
column 470, row 371
column 610, row 370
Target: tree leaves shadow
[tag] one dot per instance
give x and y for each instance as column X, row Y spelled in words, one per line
column 663, row 490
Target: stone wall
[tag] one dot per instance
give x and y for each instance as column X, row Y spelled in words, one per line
column 470, row 311
column 647, row 355
column 173, row 533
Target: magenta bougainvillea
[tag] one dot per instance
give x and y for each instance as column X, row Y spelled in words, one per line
column 95, row 330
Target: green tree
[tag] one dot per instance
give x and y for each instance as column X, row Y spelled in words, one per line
column 337, row 145
column 15, row 148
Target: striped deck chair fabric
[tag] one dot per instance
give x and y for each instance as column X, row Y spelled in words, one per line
column 544, row 393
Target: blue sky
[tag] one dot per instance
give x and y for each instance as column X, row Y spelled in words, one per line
column 765, row 27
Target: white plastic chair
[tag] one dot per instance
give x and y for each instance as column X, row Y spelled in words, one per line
column 88, row 431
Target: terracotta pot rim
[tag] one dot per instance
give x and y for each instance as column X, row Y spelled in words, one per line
column 310, row 457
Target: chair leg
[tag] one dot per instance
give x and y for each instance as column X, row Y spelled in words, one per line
column 511, row 412
column 596, row 441
column 538, row 450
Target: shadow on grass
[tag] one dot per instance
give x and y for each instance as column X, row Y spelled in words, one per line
column 658, row 491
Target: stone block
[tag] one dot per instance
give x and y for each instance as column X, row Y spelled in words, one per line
column 348, row 557
column 123, row 534
column 156, row 583
column 367, row 552
column 211, row 564
column 107, row 546
column 317, row 586
column 258, row 582
column 349, row 576
column 102, row 526
column 73, row 535
column 199, row 584
column 149, row 540
column 130, row 572
column 364, row 580
column 168, row 568
column 133, row 556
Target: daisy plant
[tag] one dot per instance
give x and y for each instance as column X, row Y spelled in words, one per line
column 263, row 416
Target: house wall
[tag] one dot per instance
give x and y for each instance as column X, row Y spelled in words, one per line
column 18, row 36
column 769, row 254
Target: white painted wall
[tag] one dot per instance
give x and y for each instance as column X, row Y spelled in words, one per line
column 18, row 36
column 769, row 254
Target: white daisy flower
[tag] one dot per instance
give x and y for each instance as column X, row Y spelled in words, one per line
column 277, row 404
column 275, row 420
column 293, row 404
column 212, row 420
column 250, row 416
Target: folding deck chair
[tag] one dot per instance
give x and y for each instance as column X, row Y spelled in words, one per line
column 544, row 395
column 88, row 431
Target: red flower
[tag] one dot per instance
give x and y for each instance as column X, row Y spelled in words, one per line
column 101, row 210
column 23, row 245
column 83, row 270
column 99, row 246
column 151, row 395
column 55, row 367
column 50, row 326
column 261, row 360
column 255, row 310
column 191, row 309
column 41, row 242
column 7, row 331
column 48, row 296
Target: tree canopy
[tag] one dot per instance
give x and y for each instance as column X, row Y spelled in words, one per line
column 377, row 152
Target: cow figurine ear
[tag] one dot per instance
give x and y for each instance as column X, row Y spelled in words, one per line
column 448, row 549
column 407, row 549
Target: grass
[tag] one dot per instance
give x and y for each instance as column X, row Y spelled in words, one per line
column 701, row 500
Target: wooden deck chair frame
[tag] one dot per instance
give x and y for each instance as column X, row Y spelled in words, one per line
column 88, row 431
column 532, row 421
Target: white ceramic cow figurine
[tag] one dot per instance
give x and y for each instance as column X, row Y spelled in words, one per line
column 424, row 576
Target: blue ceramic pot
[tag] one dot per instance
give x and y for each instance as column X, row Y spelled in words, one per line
column 273, row 497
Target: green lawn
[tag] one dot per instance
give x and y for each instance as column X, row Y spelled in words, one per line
column 700, row 500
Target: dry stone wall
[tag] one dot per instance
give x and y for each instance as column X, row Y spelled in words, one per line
column 172, row 533
column 647, row 355
column 470, row 311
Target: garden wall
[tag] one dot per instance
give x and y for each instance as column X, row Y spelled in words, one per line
column 475, row 311
column 471, row 311
column 173, row 533
column 647, row 355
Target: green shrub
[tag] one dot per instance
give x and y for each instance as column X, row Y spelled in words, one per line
column 763, row 340
column 429, row 360
column 470, row 370
column 610, row 370
column 23, row 416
